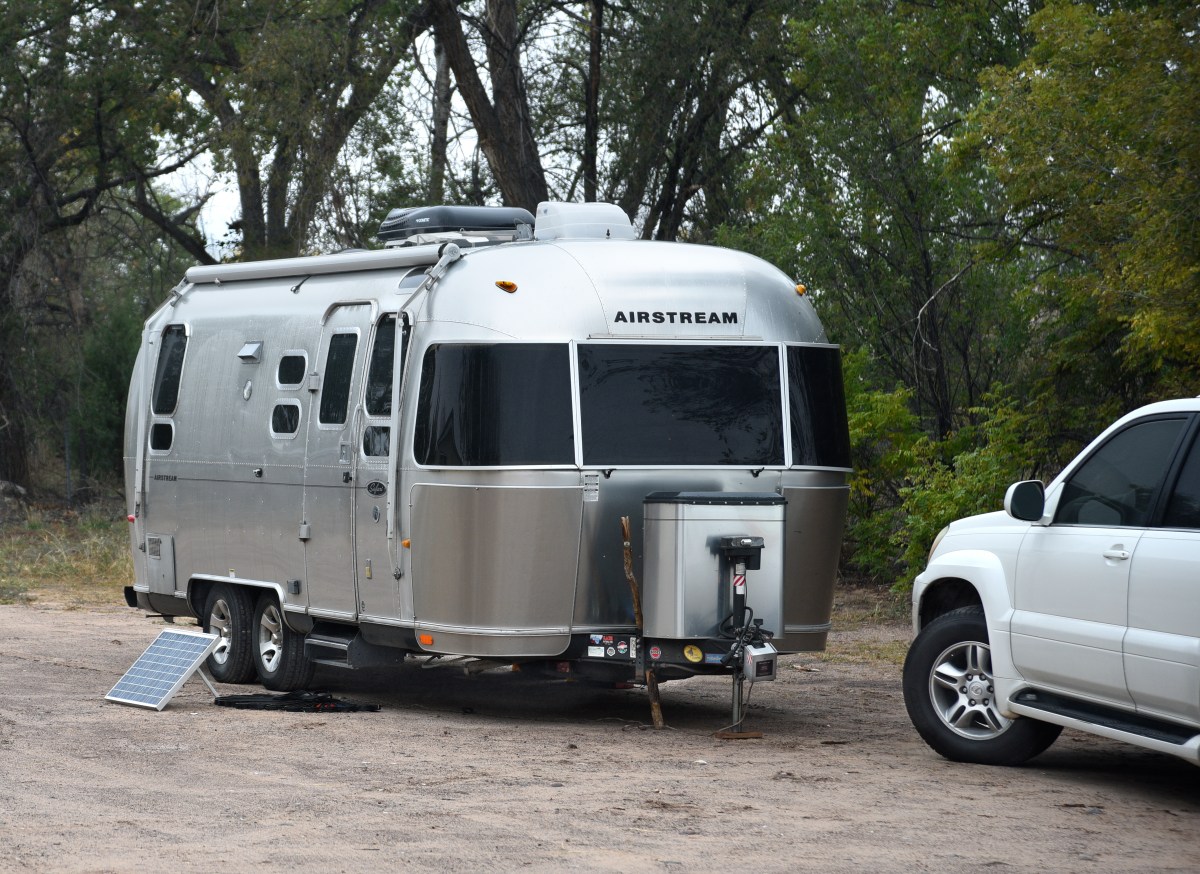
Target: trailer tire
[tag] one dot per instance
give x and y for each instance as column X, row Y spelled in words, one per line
column 228, row 612
column 278, row 651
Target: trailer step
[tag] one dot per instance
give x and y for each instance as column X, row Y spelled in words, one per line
column 344, row 647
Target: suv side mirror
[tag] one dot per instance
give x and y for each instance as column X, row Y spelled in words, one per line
column 1026, row 500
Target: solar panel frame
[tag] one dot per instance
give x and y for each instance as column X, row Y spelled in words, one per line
column 163, row 668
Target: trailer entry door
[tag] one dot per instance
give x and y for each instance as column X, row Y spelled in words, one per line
column 329, row 469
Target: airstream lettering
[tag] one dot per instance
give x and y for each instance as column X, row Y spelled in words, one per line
column 427, row 449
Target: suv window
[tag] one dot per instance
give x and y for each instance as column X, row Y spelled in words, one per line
column 1183, row 511
column 1117, row 484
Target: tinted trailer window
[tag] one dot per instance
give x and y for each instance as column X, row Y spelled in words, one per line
column 680, row 405
column 495, row 405
column 820, row 436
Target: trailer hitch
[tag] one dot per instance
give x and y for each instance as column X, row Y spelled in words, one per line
column 751, row 653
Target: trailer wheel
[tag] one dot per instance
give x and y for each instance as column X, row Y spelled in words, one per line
column 278, row 651
column 950, row 697
column 228, row 612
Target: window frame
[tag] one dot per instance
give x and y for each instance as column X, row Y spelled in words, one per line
column 788, row 411
column 156, row 422
column 388, row 421
column 1188, row 450
column 781, row 350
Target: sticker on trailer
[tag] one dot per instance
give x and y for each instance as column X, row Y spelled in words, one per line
column 596, row 652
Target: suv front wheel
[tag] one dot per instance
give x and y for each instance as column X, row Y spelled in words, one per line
column 951, row 700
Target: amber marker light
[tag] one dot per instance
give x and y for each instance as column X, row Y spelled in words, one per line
column 425, row 639
column 406, row 543
column 505, row 285
column 800, row 289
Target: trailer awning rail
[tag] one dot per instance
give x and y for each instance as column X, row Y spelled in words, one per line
column 313, row 265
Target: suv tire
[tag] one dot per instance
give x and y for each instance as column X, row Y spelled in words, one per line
column 951, row 701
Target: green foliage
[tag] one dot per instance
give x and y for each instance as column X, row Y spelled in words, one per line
column 105, row 361
column 964, row 475
column 883, row 434
column 1096, row 138
column 885, row 225
column 908, row 485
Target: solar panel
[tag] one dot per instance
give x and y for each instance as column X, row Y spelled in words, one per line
column 163, row 668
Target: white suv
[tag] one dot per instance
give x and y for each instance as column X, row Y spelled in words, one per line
column 1078, row 606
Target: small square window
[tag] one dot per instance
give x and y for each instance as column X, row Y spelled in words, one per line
column 285, row 419
column 377, row 440
column 291, row 370
column 162, row 436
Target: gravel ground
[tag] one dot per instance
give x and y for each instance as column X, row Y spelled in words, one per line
column 500, row 772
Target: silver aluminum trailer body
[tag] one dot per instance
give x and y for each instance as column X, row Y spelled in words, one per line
column 438, row 463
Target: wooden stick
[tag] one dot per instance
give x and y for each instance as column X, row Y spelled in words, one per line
column 651, row 680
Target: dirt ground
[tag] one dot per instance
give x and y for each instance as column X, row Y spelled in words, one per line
column 501, row 772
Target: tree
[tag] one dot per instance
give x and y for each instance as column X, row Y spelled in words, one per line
column 78, row 117
column 687, row 99
column 886, row 224
column 280, row 87
column 503, row 120
column 1096, row 138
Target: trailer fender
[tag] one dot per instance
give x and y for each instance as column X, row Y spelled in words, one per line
column 199, row 586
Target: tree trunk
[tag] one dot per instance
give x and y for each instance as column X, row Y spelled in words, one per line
column 502, row 121
column 441, row 126
column 14, row 454
column 591, row 120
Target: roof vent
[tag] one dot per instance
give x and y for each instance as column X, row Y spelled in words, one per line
column 582, row 221
column 469, row 225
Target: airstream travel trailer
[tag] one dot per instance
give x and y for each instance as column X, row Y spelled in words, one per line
column 427, row 450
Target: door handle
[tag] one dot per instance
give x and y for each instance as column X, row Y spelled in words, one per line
column 1117, row 554
column 347, row 476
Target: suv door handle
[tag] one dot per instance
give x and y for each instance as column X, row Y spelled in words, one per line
column 1117, row 554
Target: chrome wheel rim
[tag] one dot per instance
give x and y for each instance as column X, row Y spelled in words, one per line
column 221, row 623
column 270, row 638
column 964, row 694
